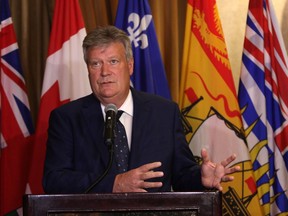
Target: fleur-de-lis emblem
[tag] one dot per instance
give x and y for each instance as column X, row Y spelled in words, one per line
column 136, row 34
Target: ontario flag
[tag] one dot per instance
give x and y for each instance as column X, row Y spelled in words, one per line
column 65, row 78
column 149, row 74
column 16, row 127
column 209, row 105
column 264, row 100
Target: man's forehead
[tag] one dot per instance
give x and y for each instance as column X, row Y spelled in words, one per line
column 108, row 50
column 109, row 45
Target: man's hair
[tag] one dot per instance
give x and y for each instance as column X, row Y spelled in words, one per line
column 102, row 36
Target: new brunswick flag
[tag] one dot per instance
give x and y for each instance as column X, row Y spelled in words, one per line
column 209, row 105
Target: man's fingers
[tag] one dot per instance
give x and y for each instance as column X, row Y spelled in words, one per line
column 219, row 187
column 151, row 184
column 140, row 190
column 148, row 173
column 137, row 180
column 204, row 155
column 149, row 166
column 227, row 178
column 151, row 174
column 232, row 170
column 228, row 160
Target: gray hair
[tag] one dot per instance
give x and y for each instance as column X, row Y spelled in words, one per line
column 102, row 36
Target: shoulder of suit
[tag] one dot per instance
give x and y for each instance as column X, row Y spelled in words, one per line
column 148, row 97
column 83, row 101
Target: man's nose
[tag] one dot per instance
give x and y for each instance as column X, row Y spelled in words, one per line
column 105, row 69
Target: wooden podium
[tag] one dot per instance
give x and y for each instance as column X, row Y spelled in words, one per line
column 118, row 204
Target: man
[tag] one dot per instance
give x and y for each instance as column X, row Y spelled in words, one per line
column 159, row 157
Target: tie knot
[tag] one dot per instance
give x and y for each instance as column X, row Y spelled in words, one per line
column 119, row 113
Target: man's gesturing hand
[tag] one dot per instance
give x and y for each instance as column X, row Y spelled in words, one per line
column 135, row 180
column 213, row 174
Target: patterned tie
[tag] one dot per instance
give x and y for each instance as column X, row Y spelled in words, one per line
column 121, row 145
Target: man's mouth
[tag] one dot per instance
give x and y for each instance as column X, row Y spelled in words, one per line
column 105, row 82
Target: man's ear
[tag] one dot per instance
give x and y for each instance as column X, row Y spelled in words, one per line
column 131, row 66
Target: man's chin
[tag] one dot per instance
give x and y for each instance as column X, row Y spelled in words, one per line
column 107, row 93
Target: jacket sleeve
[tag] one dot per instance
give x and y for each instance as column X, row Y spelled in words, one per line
column 187, row 173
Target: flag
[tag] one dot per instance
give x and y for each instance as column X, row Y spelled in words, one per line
column 16, row 127
column 149, row 74
column 65, row 78
column 209, row 105
column 263, row 97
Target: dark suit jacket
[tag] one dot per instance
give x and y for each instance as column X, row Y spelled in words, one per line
column 76, row 154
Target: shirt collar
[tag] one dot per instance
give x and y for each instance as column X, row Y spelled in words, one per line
column 127, row 106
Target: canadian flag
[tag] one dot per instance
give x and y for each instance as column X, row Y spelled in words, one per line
column 65, row 78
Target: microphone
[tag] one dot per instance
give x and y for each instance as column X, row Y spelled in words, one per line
column 110, row 122
column 111, row 111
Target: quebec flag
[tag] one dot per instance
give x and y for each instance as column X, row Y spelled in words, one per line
column 149, row 75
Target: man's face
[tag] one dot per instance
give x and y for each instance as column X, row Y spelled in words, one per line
column 109, row 73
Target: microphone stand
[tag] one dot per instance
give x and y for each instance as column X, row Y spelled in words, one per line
column 111, row 151
column 109, row 134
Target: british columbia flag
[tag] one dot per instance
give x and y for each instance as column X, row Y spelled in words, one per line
column 16, row 125
column 263, row 99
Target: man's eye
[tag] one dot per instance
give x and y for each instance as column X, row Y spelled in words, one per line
column 95, row 64
column 114, row 61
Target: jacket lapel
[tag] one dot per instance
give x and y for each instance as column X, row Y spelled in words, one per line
column 94, row 121
column 139, row 131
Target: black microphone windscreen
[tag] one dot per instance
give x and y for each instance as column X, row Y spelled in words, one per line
column 111, row 107
column 110, row 122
